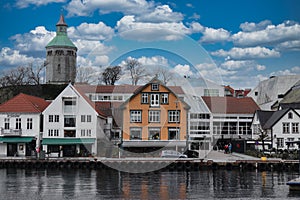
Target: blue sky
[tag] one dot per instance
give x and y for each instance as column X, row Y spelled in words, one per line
column 240, row 42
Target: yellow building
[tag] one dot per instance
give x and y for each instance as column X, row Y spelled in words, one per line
column 155, row 118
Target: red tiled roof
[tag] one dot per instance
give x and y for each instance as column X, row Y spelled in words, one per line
column 125, row 89
column 23, row 103
column 231, row 105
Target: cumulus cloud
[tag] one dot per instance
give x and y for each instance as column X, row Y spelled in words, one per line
column 247, row 53
column 260, row 67
column 211, row 35
column 35, row 40
column 129, row 28
column 26, row 3
column 13, row 58
column 272, row 34
column 289, row 46
column 183, row 70
column 153, row 61
column 91, row 31
column 250, row 26
column 128, row 7
column 239, row 64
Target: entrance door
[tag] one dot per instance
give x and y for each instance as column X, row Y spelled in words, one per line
column 12, row 149
column 69, row 150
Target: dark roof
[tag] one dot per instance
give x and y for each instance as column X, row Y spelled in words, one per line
column 292, row 98
column 23, row 103
column 264, row 116
column 277, row 115
column 231, row 105
column 61, row 21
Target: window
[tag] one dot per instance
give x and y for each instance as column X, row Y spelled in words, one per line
column 174, row 116
column 6, row 123
column 290, row 115
column 18, row 123
column 29, row 123
column 69, row 105
column 144, row 97
column 164, row 98
column 194, row 126
column 69, row 133
column 82, row 133
column 280, row 142
column 199, row 116
column 211, row 92
column 154, row 133
column 154, row 100
column 82, row 118
column 286, row 127
column 135, row 133
column 50, row 118
column 174, row 133
column 56, row 132
column 88, row 118
column 135, row 116
column 155, row 87
column 295, row 127
column 256, row 93
column 154, row 116
column 70, row 121
column 56, row 118
column 86, row 133
column 53, row 132
column 291, row 140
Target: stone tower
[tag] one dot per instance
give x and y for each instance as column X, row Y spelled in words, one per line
column 61, row 56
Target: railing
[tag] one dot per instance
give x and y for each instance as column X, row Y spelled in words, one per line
column 11, row 132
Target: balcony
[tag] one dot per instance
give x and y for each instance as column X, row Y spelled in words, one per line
column 11, row 132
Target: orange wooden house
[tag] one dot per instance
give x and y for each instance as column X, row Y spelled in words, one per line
column 155, row 117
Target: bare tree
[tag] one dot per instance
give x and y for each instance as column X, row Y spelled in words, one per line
column 35, row 73
column 137, row 71
column 163, row 74
column 111, row 75
column 86, row 75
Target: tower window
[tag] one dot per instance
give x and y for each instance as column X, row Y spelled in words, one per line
column 58, row 68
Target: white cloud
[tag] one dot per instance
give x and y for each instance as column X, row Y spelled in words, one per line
column 211, row 35
column 161, row 14
column 247, row 53
column 260, row 67
column 183, row 70
column 195, row 16
column 91, row 31
column 35, row 40
column 287, row 31
column 293, row 71
column 240, row 64
column 13, row 58
column 153, row 61
column 250, row 26
column 289, row 45
column 27, row 3
column 129, row 28
column 85, row 8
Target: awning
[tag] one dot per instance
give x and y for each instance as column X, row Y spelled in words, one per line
column 64, row 141
column 16, row 139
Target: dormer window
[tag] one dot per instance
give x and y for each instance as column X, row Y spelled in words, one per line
column 154, row 87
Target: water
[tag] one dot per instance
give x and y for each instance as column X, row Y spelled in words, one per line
column 110, row 184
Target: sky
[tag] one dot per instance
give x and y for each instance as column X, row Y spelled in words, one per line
column 231, row 42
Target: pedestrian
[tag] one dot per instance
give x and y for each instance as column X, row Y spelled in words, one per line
column 226, row 149
column 230, row 147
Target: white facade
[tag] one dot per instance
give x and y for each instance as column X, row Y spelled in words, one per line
column 19, row 126
column 72, row 117
column 286, row 129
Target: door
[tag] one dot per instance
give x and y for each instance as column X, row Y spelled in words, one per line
column 12, row 149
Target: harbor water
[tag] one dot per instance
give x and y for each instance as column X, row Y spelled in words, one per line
column 111, row 184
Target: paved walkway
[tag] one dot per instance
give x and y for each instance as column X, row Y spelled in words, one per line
column 219, row 156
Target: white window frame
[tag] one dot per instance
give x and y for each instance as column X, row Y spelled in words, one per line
column 154, row 116
column 18, row 123
column 29, row 124
column 165, row 98
column 152, row 131
column 137, row 129
column 50, row 118
column 174, row 116
column 285, row 127
column 154, row 86
column 56, row 118
column 295, row 127
column 6, row 123
column 135, row 116
column 154, row 100
column 145, row 97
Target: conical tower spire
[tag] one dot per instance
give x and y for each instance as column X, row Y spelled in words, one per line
column 61, row 21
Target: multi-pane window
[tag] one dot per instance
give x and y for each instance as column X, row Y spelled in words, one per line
column 70, row 121
column 144, row 97
column 291, row 140
column 6, row 123
column 295, row 127
column 56, row 118
column 18, row 123
column 155, row 86
column 199, row 126
column 69, row 105
column 154, row 133
column 29, row 123
column 280, row 142
column 135, row 116
column 174, row 133
column 86, row 132
column 199, row 116
column 50, row 118
column 82, row 132
column 164, row 98
column 53, row 132
column 82, row 118
column 154, row 116
column 174, row 116
column 135, row 133
column 286, row 127
column 154, row 101
column 88, row 118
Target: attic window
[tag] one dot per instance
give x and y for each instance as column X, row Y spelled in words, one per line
column 154, row 86
column 255, row 93
column 290, row 116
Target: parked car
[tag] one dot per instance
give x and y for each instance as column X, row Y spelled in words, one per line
column 172, row 154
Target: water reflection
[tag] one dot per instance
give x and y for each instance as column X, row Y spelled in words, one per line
column 111, row 184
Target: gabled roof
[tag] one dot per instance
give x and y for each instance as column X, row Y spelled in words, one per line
column 264, row 116
column 230, row 105
column 23, row 103
column 277, row 115
column 292, row 98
